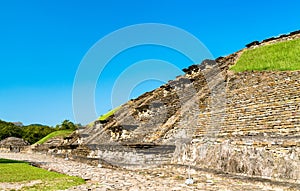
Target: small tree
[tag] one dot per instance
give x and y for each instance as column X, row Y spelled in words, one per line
column 67, row 125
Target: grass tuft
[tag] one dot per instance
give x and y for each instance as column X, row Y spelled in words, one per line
column 108, row 114
column 282, row 56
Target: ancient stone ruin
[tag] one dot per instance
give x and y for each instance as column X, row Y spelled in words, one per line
column 240, row 123
column 13, row 144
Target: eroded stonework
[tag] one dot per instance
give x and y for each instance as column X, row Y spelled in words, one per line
column 242, row 123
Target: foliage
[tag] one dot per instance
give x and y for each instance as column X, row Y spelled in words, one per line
column 35, row 132
column 9, row 130
column 61, row 133
column 276, row 57
column 66, row 125
column 17, row 171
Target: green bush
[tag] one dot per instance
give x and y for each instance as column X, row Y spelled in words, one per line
column 35, row 132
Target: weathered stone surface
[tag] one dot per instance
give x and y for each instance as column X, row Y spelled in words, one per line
column 13, row 144
column 167, row 177
column 239, row 123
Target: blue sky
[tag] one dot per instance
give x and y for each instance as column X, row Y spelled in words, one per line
column 42, row 43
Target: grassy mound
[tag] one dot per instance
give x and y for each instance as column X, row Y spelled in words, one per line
column 62, row 133
column 19, row 172
column 281, row 56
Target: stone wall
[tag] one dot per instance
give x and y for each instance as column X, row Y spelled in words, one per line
column 260, row 131
column 246, row 123
column 13, row 144
column 133, row 156
column 117, row 155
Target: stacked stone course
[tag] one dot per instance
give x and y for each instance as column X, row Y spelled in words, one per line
column 243, row 123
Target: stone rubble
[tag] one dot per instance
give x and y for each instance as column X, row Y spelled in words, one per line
column 160, row 178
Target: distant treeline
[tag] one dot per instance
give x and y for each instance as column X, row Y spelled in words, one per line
column 32, row 133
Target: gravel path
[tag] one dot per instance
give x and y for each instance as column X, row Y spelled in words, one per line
column 166, row 178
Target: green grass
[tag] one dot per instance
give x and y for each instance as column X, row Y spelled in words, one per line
column 105, row 116
column 108, row 114
column 8, row 161
column 282, row 56
column 21, row 172
column 62, row 133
